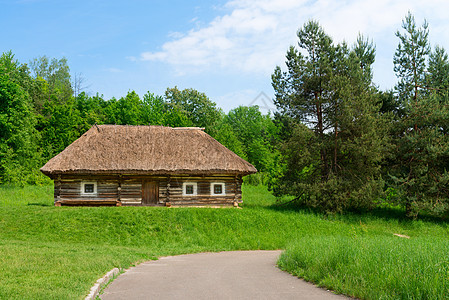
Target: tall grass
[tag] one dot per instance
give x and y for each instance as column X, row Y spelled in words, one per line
column 373, row 267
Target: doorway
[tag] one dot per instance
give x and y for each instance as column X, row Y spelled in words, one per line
column 150, row 193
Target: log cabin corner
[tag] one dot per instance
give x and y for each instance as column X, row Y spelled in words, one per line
column 147, row 166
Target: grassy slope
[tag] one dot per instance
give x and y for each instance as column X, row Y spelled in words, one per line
column 49, row 252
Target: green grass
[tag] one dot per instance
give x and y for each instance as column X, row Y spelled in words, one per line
column 373, row 267
column 51, row 252
column 26, row 196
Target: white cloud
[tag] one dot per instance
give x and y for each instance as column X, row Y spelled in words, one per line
column 254, row 36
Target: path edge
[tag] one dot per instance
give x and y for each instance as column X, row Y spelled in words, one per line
column 95, row 290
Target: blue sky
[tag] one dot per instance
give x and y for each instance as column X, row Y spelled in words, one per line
column 226, row 49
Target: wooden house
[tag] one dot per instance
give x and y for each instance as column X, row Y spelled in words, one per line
column 147, row 165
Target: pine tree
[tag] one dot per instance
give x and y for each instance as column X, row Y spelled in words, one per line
column 419, row 169
column 437, row 78
column 410, row 59
column 334, row 152
column 302, row 92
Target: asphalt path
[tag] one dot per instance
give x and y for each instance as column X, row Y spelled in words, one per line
column 223, row 275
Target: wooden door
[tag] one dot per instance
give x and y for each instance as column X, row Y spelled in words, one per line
column 150, row 193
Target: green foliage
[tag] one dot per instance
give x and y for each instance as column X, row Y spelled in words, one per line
column 419, row 166
column 125, row 111
column 225, row 134
column 150, row 110
column 337, row 136
column 256, row 133
column 200, row 110
column 91, row 110
column 437, row 78
column 154, row 110
column 366, row 53
column 60, row 124
column 259, row 178
column 18, row 149
column 59, row 121
column 56, row 73
column 410, row 59
column 254, row 137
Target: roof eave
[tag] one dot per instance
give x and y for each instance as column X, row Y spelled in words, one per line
column 144, row 172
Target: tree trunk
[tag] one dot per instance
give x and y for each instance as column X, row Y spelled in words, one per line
column 335, row 147
column 324, row 164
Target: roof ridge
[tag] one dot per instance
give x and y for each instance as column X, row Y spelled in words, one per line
column 151, row 125
column 189, row 128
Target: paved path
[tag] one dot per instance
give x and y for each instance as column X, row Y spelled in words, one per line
column 224, row 275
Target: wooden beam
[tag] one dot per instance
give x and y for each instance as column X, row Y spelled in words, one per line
column 58, row 191
column 92, row 202
column 168, row 189
column 119, row 191
column 236, row 181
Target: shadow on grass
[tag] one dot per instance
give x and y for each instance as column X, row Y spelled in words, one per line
column 355, row 216
column 38, row 204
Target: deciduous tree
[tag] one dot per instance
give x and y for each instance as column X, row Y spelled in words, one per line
column 198, row 107
column 18, row 149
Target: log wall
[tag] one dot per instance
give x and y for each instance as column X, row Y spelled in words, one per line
column 68, row 192
column 127, row 190
column 204, row 198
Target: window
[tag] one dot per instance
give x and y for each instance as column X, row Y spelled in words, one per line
column 88, row 188
column 189, row 189
column 217, row 189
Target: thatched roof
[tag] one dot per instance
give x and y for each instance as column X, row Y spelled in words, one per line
column 122, row 149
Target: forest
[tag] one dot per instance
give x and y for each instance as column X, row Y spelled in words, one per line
column 336, row 142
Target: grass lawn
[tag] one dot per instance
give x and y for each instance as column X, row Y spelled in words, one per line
column 51, row 252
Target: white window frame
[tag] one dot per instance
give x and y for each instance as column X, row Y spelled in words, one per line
column 83, row 184
column 195, row 188
column 223, row 189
